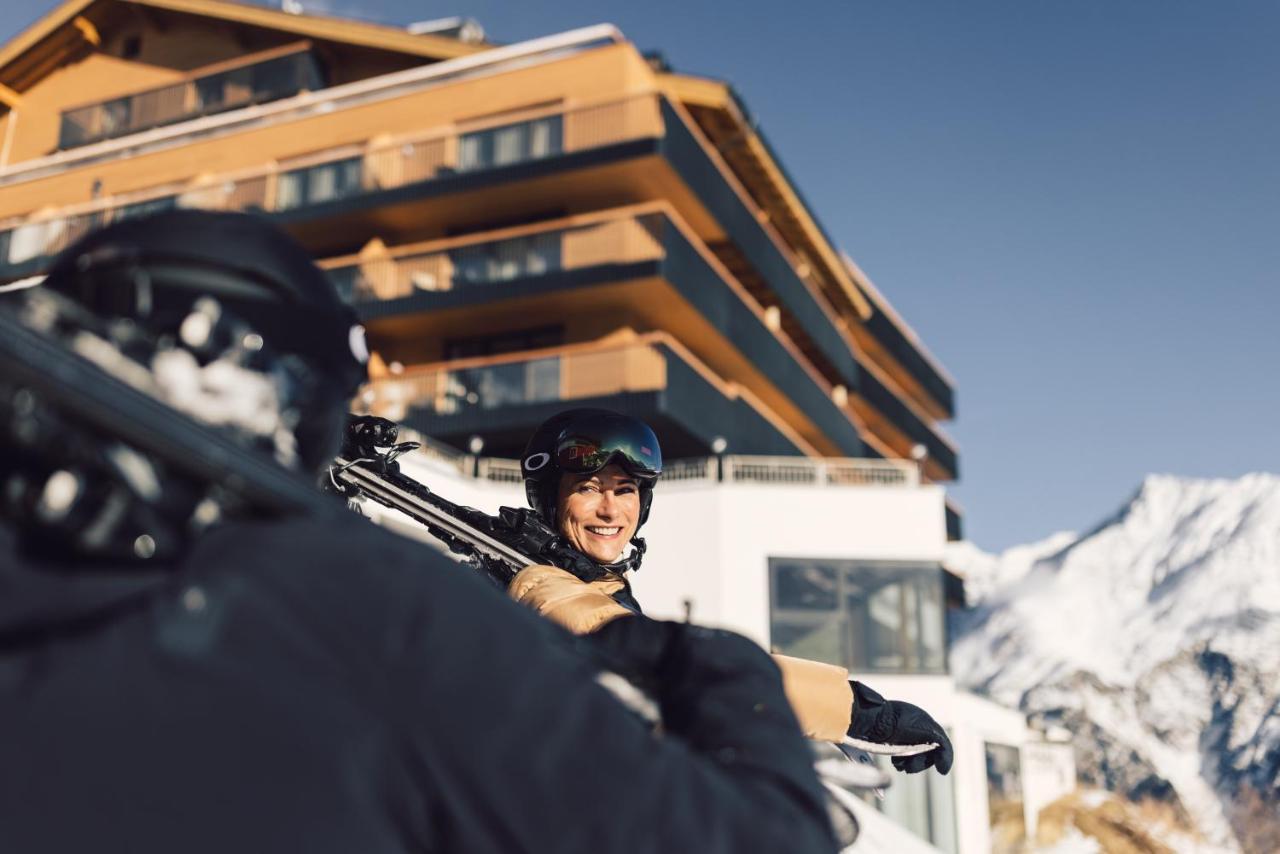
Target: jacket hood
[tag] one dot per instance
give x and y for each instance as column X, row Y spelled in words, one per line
column 37, row 596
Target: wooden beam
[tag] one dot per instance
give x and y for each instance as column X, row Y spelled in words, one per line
column 10, row 98
column 29, row 38
column 88, row 30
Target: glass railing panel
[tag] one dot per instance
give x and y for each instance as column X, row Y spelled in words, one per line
column 510, row 144
column 270, row 80
column 575, row 374
column 324, row 182
column 145, row 208
column 450, row 392
column 621, row 241
column 506, row 260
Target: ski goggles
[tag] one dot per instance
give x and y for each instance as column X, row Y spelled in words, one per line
column 587, row 447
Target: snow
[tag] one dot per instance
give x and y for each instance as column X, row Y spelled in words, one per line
column 983, row 572
column 1072, row 842
column 1161, row 627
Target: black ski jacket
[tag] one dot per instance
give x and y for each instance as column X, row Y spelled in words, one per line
column 326, row 686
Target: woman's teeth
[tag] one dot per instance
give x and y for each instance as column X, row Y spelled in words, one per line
column 603, row 532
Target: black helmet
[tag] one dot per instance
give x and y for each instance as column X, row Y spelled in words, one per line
column 583, row 441
column 153, row 270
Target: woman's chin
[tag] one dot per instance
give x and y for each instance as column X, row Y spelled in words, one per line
column 604, row 556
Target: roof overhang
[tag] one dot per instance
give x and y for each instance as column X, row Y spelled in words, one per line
column 710, row 94
column 69, row 27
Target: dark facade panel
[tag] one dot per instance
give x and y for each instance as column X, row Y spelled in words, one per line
column 698, row 171
column 370, row 309
column 879, row 325
column 893, row 340
column 919, row 430
column 698, row 283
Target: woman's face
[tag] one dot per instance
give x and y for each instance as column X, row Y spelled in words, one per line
column 597, row 513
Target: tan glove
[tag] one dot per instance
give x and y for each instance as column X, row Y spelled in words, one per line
column 819, row 693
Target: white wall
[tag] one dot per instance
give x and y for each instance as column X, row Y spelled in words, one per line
column 711, row 542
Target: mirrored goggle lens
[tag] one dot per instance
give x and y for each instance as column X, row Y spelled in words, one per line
column 583, row 454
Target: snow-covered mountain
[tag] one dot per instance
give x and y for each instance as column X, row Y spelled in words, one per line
column 984, row 572
column 1155, row 638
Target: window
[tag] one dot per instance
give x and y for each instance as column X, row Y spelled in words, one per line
column 923, row 804
column 515, row 143
column 1004, row 798
column 866, row 616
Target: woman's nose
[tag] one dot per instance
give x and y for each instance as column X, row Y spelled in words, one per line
column 606, row 506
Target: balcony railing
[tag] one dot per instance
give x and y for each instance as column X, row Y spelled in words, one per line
column 254, row 83
column 472, row 384
column 351, row 171
column 448, row 265
column 803, row 471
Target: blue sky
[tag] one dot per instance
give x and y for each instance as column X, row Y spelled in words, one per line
column 1076, row 205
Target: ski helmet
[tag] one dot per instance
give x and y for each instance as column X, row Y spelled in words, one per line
column 583, row 441
column 153, row 270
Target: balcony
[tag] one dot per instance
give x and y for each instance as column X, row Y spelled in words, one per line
column 616, row 246
column 502, row 399
column 641, row 261
column 303, row 185
column 253, row 82
column 471, row 263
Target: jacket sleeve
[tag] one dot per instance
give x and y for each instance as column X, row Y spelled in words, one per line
column 511, row 744
column 819, row 693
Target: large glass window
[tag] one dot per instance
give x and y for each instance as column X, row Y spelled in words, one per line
column 866, row 616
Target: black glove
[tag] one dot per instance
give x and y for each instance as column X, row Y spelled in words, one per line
column 882, row 721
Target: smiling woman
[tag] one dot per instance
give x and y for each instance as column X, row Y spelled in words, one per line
column 598, row 513
column 589, row 473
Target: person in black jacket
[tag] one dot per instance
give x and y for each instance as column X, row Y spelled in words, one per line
column 316, row 683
